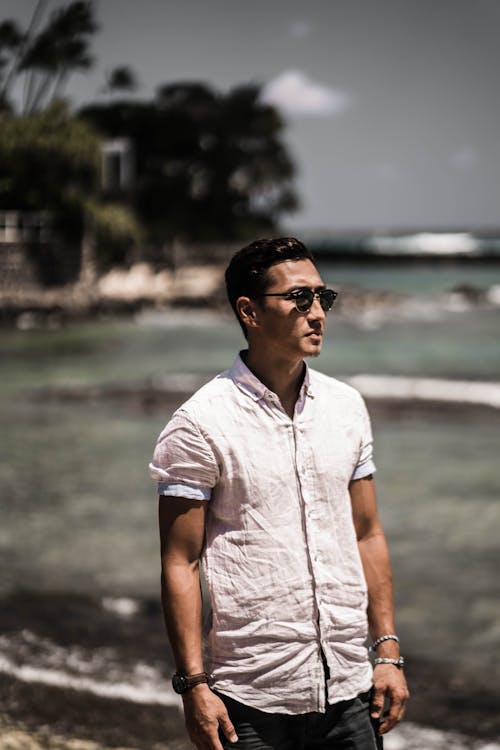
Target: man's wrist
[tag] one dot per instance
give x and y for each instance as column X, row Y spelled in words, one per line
column 385, row 649
column 384, row 639
column 390, row 650
column 399, row 662
column 386, row 645
column 182, row 682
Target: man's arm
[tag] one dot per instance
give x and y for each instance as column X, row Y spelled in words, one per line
column 388, row 681
column 182, row 531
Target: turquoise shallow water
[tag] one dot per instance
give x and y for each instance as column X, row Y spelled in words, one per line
column 454, row 344
column 78, row 510
column 425, row 278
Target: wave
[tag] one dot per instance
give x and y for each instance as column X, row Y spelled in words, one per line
column 439, row 244
column 371, row 311
column 134, row 670
column 31, row 658
column 145, row 685
column 394, row 387
column 427, row 243
column 427, row 389
column 409, row 736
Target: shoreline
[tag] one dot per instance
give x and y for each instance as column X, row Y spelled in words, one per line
column 58, row 719
column 141, row 290
column 110, row 639
column 388, row 396
column 120, row 292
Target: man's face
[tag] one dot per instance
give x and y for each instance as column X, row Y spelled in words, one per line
column 290, row 333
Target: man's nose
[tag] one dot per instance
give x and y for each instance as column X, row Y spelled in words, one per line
column 316, row 311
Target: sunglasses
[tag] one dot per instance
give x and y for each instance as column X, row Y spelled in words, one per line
column 304, row 298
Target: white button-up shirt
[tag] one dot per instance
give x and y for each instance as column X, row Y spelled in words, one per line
column 280, row 558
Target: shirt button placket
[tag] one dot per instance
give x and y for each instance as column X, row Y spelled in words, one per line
column 303, row 469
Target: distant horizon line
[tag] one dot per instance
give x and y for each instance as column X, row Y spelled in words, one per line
column 479, row 230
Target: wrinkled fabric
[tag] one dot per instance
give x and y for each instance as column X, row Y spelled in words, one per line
column 280, row 558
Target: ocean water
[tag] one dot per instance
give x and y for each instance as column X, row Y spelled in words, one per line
column 426, row 278
column 78, row 510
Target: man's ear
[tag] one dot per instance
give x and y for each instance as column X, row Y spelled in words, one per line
column 247, row 311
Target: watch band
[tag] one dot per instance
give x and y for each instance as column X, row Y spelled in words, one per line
column 183, row 682
column 196, row 679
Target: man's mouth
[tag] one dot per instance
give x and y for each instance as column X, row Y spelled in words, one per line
column 316, row 334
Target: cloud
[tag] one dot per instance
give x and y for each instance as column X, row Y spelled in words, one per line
column 299, row 29
column 294, row 93
column 386, row 172
column 465, row 158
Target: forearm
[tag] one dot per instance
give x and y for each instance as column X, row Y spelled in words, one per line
column 182, row 528
column 204, row 711
column 388, row 681
column 182, row 610
column 378, row 574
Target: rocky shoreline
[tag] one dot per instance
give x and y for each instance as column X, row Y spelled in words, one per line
column 141, row 288
column 119, row 292
column 37, row 717
column 36, row 714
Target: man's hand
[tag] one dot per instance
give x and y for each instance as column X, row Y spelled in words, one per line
column 205, row 714
column 388, row 683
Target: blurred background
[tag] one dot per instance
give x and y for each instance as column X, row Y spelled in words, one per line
column 141, row 144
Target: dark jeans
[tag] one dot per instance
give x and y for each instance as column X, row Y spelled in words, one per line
column 344, row 726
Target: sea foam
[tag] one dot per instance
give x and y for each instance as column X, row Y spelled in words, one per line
column 427, row 389
column 30, row 658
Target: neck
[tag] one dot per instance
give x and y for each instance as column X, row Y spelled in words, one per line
column 283, row 377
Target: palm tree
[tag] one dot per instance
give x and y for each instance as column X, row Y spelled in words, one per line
column 121, row 79
column 56, row 52
column 11, row 41
column 46, row 58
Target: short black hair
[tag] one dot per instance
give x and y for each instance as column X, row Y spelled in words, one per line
column 246, row 274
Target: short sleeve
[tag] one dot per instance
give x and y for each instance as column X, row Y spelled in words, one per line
column 183, row 461
column 365, row 465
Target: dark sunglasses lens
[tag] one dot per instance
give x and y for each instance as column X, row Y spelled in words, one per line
column 326, row 299
column 304, row 299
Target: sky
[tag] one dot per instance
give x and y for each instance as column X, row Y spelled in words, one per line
column 392, row 107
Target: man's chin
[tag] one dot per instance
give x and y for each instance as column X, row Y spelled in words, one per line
column 314, row 351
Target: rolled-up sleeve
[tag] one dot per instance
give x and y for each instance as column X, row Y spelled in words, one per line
column 183, row 462
column 365, row 465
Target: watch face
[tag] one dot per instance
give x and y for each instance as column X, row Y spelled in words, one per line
column 179, row 683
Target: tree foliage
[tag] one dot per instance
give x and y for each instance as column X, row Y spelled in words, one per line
column 48, row 160
column 120, row 79
column 51, row 161
column 209, row 165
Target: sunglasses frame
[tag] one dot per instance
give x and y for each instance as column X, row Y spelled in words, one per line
column 294, row 295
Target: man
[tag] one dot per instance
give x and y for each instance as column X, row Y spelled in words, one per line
column 265, row 475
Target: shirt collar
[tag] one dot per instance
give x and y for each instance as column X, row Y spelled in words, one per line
column 251, row 385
